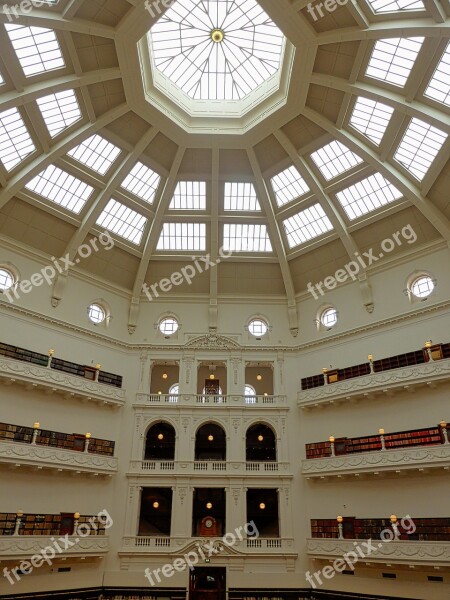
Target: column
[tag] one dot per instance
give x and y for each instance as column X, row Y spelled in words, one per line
column 144, row 376
column 235, row 375
column 188, row 375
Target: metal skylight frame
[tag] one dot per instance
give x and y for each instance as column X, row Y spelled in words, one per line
column 15, row 140
column 371, row 118
column 240, row 197
column 96, row 153
column 246, row 237
column 123, row 221
column 288, row 186
column 59, row 111
column 60, row 187
column 37, row 48
column 439, row 85
column 306, row 225
column 419, row 147
column 393, row 58
column 142, row 182
column 189, row 195
column 385, row 6
column 367, row 196
column 184, row 237
column 334, row 159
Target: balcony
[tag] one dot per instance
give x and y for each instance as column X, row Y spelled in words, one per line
column 22, row 547
column 208, row 401
column 198, row 468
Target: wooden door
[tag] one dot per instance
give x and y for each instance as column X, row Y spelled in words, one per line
column 207, row 583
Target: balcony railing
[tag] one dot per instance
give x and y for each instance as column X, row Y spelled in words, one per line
column 150, row 544
column 209, row 400
column 17, row 547
column 198, row 467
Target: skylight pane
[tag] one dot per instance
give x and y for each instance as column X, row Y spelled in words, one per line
column 246, row 237
column 419, row 147
column 439, row 86
column 367, row 195
column 383, row 6
column 37, row 48
column 189, row 195
column 393, row 58
column 182, row 236
column 15, row 141
column 288, row 186
column 96, row 153
column 123, row 221
column 59, row 111
column 142, row 182
column 1, row 79
column 240, row 197
column 306, row 225
column 60, row 187
column 334, row 159
column 371, row 118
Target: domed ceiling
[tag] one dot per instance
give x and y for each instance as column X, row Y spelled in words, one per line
column 288, row 134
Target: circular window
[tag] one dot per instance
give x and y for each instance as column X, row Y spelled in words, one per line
column 422, row 286
column 168, row 326
column 257, row 327
column 329, row 317
column 96, row 313
column 6, row 280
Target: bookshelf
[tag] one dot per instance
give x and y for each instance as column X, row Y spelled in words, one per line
column 397, row 362
column 313, row 382
column 44, row 524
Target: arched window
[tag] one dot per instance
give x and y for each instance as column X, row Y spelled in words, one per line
column 250, row 394
column 174, row 392
column 160, row 442
column 210, row 443
column 260, row 444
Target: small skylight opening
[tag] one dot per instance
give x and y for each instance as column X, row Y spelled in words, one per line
column 240, row 197
column 61, row 188
column 15, row 141
column 258, row 328
column 371, row 118
column 422, row 287
column 123, row 221
column 59, row 111
column 96, row 313
column 367, row 195
column 384, row 6
column 189, row 195
column 334, row 159
column 168, row 326
column 2, row 81
column 37, row 48
column 183, row 236
column 246, row 237
column 142, row 182
column 288, row 185
column 393, row 58
column 306, row 225
column 6, row 280
column 439, row 86
column 419, row 147
column 96, row 153
column 329, row 317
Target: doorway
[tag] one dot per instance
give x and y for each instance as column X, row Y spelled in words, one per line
column 207, row 583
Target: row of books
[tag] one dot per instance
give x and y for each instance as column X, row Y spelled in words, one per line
column 47, row 524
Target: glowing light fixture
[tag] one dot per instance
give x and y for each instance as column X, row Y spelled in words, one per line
column 155, row 504
column 208, row 505
column 262, row 506
column 210, row 438
column 160, row 436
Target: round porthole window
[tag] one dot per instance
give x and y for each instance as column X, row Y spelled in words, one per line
column 168, row 326
column 6, row 280
column 96, row 313
column 329, row 317
column 422, row 287
column 258, row 328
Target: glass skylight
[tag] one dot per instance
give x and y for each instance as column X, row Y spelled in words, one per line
column 123, row 221
column 216, row 49
column 142, row 182
column 246, row 237
column 334, row 159
column 240, row 197
column 419, row 147
column 59, row 111
column 1, row 79
column 439, row 86
column 96, row 153
column 383, row 6
column 182, row 236
column 37, row 48
column 306, row 225
column 371, row 118
column 367, row 195
column 60, row 187
column 393, row 58
column 15, row 141
column 288, row 186
column 189, row 195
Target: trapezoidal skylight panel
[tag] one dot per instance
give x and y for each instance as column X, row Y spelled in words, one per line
column 384, row 6
column 96, row 153
column 123, row 221
column 419, row 147
column 37, row 48
column 393, row 58
column 246, row 237
column 185, row 237
column 306, row 225
column 371, row 118
column 142, row 182
column 15, row 141
column 439, row 86
column 334, row 159
column 367, row 195
column 189, row 195
column 61, row 188
column 288, row 185
column 240, row 197
column 216, row 49
column 59, row 111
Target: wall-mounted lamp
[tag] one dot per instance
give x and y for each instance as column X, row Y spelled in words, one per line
column 331, row 439
column 340, row 520
column 262, row 506
column 393, row 519
column 36, row 425
column 76, row 516
column 98, row 366
column 370, row 357
column 19, row 513
column 88, row 436
column 428, row 344
column 51, row 352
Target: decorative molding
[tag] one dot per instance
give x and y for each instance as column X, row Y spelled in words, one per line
column 27, row 545
column 213, row 341
column 386, row 382
column 69, row 386
column 44, row 457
